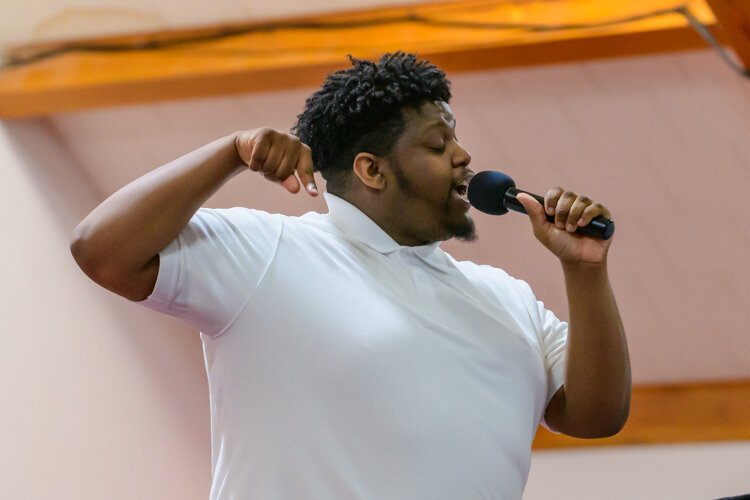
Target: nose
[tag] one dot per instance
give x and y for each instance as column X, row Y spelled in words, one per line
column 462, row 158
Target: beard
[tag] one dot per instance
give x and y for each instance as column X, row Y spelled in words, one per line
column 466, row 232
column 463, row 230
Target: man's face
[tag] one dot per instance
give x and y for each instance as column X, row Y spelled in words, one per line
column 431, row 172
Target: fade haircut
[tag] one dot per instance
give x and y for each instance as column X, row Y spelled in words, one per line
column 359, row 109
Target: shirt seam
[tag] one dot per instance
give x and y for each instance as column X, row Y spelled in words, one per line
column 250, row 295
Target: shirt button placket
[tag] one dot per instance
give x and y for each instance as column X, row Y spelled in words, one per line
column 413, row 265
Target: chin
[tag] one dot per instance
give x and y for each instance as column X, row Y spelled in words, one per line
column 465, row 231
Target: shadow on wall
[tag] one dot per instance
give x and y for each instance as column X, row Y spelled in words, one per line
column 52, row 170
column 167, row 352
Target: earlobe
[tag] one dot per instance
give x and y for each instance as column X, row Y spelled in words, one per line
column 368, row 169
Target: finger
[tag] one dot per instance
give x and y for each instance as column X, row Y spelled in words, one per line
column 305, row 170
column 535, row 211
column 592, row 211
column 291, row 184
column 261, row 148
column 579, row 205
column 287, row 165
column 562, row 209
column 285, row 173
column 274, row 159
column 288, row 181
column 551, row 198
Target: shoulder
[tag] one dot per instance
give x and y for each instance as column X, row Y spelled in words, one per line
column 245, row 222
column 482, row 272
column 239, row 220
column 494, row 280
column 235, row 215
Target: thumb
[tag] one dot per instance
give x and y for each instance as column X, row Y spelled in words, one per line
column 534, row 209
column 244, row 143
column 291, row 184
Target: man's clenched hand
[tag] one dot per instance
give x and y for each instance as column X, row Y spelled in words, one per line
column 278, row 156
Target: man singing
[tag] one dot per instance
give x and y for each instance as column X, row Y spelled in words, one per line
column 348, row 356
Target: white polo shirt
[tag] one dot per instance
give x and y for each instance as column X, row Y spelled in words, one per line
column 343, row 366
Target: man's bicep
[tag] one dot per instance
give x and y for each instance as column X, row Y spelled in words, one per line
column 144, row 282
column 135, row 285
column 554, row 414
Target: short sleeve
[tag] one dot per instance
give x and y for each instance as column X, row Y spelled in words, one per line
column 207, row 274
column 552, row 334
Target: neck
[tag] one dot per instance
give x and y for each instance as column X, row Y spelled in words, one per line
column 386, row 215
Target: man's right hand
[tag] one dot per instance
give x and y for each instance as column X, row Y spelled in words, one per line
column 278, row 156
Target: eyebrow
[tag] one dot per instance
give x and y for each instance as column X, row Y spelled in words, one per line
column 442, row 124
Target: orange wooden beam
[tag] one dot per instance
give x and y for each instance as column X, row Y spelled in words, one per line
column 675, row 414
column 733, row 17
column 290, row 56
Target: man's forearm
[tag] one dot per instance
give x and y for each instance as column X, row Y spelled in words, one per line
column 126, row 231
column 597, row 381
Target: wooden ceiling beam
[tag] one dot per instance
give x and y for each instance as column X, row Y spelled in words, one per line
column 733, row 18
column 293, row 53
column 670, row 414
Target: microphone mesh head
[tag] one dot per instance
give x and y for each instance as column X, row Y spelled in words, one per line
column 487, row 191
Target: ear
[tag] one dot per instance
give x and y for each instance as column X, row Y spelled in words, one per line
column 368, row 168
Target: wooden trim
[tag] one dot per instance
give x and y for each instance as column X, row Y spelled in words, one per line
column 282, row 59
column 675, row 414
column 733, row 18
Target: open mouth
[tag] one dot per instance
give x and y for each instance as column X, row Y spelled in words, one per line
column 461, row 189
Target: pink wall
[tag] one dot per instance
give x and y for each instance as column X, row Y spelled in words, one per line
column 101, row 400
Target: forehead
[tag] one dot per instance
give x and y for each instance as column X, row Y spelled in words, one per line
column 429, row 114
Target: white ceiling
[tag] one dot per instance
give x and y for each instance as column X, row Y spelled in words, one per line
column 662, row 140
column 44, row 20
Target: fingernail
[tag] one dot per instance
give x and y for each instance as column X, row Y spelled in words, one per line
column 571, row 227
column 312, row 188
column 550, row 211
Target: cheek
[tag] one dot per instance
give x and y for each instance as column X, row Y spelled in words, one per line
column 437, row 174
column 429, row 178
column 443, row 184
column 434, row 189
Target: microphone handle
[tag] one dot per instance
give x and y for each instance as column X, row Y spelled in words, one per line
column 600, row 227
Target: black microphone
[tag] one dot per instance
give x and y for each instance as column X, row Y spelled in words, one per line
column 495, row 193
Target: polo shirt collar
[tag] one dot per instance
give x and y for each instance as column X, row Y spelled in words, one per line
column 352, row 221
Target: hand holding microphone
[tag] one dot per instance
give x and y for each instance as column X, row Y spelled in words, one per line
column 495, row 193
column 558, row 220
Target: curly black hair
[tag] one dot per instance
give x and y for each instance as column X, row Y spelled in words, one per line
column 360, row 109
